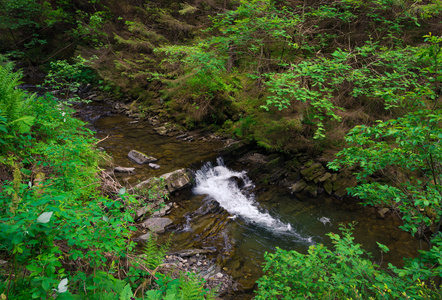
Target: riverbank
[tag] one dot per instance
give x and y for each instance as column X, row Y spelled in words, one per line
column 273, row 176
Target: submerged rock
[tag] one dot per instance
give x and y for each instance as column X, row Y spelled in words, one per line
column 154, row 166
column 381, row 212
column 298, row 186
column 124, row 170
column 140, row 157
column 192, row 252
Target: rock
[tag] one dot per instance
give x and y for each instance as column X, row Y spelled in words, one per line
column 298, row 186
column 314, row 171
column 161, row 130
column 144, row 237
column 124, row 170
column 176, row 180
column 154, row 187
column 141, row 158
column 312, row 190
column 341, row 192
column 328, row 186
column 157, row 225
column 324, row 177
column 163, row 211
column 192, row 252
column 380, row 213
column 255, row 158
column 344, row 182
column 239, row 181
column 144, row 210
column 210, row 272
column 154, row 166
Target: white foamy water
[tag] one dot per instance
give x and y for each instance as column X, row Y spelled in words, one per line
column 221, row 184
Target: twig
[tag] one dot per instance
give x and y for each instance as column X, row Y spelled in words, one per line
column 102, row 140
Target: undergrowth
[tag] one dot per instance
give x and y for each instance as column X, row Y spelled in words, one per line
column 60, row 237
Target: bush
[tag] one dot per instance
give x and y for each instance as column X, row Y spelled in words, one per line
column 345, row 273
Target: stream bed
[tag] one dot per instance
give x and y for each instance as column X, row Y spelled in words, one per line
column 223, row 211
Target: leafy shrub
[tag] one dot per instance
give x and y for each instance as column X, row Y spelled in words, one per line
column 344, row 273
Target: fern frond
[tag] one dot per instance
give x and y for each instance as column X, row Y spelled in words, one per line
column 191, row 287
column 11, row 98
column 153, row 253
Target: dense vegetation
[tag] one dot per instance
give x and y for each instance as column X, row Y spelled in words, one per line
column 358, row 78
column 64, row 233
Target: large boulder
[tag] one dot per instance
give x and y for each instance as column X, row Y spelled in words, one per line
column 140, row 157
column 167, row 183
column 176, row 180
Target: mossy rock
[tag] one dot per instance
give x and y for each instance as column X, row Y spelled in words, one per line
column 314, row 171
column 298, row 186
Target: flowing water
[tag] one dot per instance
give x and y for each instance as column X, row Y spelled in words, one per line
column 258, row 223
column 223, row 212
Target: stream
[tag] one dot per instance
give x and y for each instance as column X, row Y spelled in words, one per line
column 223, row 211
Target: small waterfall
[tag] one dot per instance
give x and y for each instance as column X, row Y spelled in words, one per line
column 232, row 190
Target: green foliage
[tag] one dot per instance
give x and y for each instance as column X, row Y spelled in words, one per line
column 298, row 55
column 344, row 273
column 67, row 78
column 50, row 223
column 405, row 150
column 188, row 286
column 19, row 14
column 89, row 27
column 154, row 254
column 78, row 216
column 13, row 106
column 385, row 76
column 255, row 30
column 204, row 66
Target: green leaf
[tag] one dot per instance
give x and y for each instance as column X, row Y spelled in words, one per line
column 126, row 293
column 24, row 124
column 383, row 247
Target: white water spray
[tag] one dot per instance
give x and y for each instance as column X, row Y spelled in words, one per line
column 218, row 182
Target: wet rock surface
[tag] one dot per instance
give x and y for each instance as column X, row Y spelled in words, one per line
column 157, row 225
column 167, row 183
column 298, row 173
column 140, row 157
